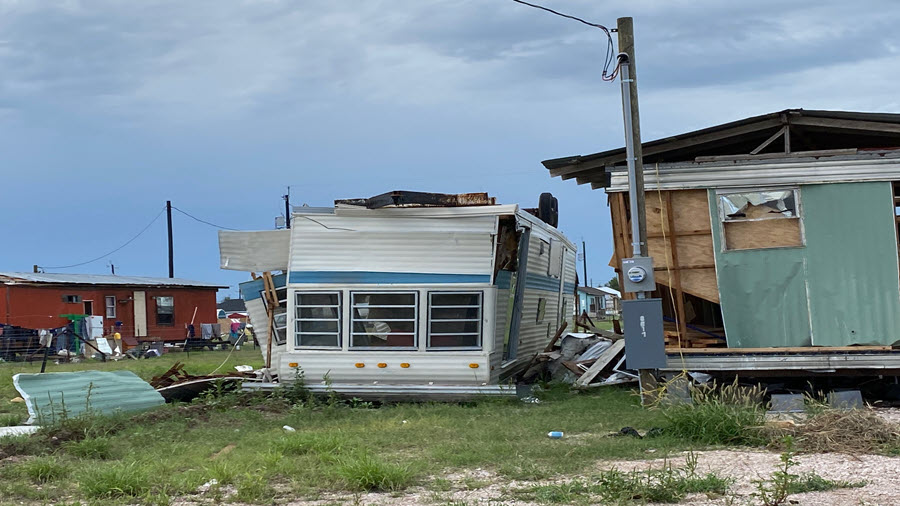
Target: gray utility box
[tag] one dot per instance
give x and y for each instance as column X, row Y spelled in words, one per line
column 638, row 274
column 645, row 347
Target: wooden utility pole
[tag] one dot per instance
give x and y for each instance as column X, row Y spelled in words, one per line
column 625, row 27
column 171, row 246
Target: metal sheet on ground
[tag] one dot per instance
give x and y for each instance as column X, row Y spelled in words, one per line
column 53, row 396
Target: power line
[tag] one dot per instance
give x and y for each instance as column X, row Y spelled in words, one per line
column 202, row 221
column 607, row 61
column 113, row 251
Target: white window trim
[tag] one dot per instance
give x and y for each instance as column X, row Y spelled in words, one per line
column 351, row 320
column 108, row 307
column 293, row 320
column 480, row 320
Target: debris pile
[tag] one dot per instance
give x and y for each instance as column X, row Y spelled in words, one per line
column 178, row 384
column 585, row 359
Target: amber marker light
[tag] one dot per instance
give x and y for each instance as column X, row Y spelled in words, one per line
column 404, row 365
column 382, row 365
column 473, row 366
column 360, row 365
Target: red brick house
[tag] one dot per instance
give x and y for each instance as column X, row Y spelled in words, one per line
column 143, row 307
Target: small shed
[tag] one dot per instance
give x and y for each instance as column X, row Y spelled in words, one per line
column 775, row 231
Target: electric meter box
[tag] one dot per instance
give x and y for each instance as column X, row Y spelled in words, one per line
column 638, row 274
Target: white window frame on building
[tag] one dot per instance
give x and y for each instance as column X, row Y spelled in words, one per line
column 478, row 320
column 385, row 322
column 299, row 319
column 110, row 301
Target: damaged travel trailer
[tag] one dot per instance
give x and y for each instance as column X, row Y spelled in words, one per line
column 774, row 240
column 407, row 293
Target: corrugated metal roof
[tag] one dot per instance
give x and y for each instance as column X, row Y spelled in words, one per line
column 54, row 395
column 98, row 279
column 819, row 129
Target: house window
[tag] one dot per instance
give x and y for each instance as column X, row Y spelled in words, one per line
column 110, row 306
column 541, row 310
column 454, row 320
column 384, row 319
column 71, row 299
column 761, row 219
column 317, row 322
column 165, row 310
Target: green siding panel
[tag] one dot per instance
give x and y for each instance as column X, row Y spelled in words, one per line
column 842, row 288
column 55, row 395
column 762, row 293
column 854, row 284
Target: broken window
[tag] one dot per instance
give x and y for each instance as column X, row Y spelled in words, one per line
column 318, row 319
column 541, row 309
column 454, row 320
column 761, row 219
column 384, row 319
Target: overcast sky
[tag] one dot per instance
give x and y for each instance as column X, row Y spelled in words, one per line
column 109, row 108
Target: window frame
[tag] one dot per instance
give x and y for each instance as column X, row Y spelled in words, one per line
column 295, row 319
column 480, row 320
column 723, row 218
column 158, row 306
column 109, row 307
column 352, row 320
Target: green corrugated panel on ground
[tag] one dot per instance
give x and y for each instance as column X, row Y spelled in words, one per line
column 51, row 396
column 854, row 284
column 842, row 288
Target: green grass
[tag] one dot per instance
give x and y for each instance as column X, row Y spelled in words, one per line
column 812, row 482
column 238, row 440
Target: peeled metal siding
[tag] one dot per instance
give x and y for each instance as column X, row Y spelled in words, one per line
column 256, row 310
column 51, row 396
column 753, row 174
column 500, row 323
column 256, row 251
column 427, row 245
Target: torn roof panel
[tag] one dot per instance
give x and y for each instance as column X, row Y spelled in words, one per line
column 52, row 396
column 255, row 251
column 404, row 198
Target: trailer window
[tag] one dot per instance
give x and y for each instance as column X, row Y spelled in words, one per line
column 454, row 320
column 317, row 320
column 760, row 219
column 384, row 319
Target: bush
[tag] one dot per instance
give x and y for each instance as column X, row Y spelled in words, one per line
column 365, row 472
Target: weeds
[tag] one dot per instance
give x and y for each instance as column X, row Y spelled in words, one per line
column 812, row 482
column 365, row 472
column 91, row 448
column 253, row 489
column 730, row 414
column 10, row 419
column 666, row 485
column 115, row 480
column 303, row 443
column 43, row 469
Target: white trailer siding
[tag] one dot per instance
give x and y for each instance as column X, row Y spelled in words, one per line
column 421, row 251
column 447, row 245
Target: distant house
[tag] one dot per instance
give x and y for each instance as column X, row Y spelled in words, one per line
column 600, row 303
column 140, row 307
column 232, row 306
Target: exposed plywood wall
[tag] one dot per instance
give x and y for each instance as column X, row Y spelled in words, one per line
column 690, row 266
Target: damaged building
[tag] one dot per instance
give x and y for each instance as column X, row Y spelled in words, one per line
column 407, row 292
column 774, row 239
